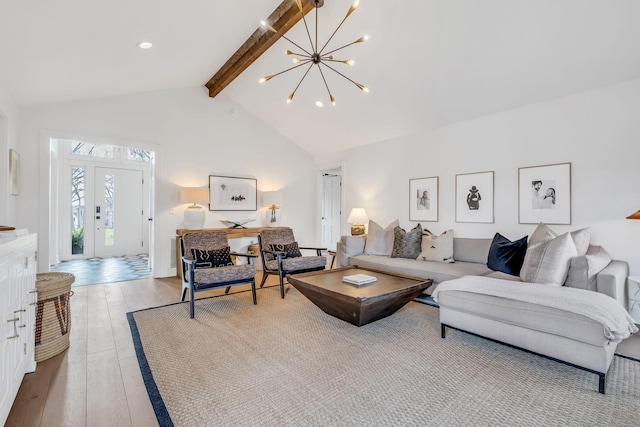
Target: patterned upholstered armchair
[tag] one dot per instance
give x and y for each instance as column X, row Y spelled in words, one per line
column 281, row 255
column 207, row 264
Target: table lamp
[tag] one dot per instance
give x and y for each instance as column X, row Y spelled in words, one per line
column 357, row 218
column 194, row 214
column 272, row 200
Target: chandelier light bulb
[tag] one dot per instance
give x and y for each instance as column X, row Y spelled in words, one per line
column 333, row 101
column 290, row 98
column 349, row 62
column 288, row 52
column 296, row 60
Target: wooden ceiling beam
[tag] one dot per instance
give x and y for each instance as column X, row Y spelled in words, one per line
column 283, row 18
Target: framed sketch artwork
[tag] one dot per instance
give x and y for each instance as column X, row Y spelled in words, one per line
column 423, row 199
column 474, row 197
column 544, row 194
column 227, row 193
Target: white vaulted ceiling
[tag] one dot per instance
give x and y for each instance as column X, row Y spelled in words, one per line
column 428, row 63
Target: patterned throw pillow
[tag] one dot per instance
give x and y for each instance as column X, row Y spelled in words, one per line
column 407, row 245
column 437, row 248
column 291, row 250
column 212, row 258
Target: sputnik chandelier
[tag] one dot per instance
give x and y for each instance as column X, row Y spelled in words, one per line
column 316, row 55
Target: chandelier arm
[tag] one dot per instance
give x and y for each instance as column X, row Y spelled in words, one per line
column 325, row 84
column 289, row 40
column 334, row 33
column 289, row 69
column 306, row 27
column 300, row 82
column 336, row 71
column 315, row 48
column 340, row 48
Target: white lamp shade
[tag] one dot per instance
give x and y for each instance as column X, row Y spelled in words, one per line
column 271, row 198
column 358, row 216
column 194, row 195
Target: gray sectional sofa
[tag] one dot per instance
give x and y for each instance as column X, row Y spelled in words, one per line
column 543, row 319
column 470, row 257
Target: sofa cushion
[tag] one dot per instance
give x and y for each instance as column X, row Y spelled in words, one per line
column 436, row 271
column 437, row 248
column 505, row 255
column 407, row 244
column 379, row 240
column 547, row 261
column 583, row 269
column 471, row 250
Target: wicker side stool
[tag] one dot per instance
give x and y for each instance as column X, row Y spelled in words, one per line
column 53, row 314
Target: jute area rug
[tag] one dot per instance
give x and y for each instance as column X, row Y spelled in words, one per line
column 287, row 363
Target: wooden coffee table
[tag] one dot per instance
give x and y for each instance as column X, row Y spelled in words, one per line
column 362, row 304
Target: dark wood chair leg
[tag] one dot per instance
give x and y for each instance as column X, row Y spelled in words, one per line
column 281, row 284
column 253, row 291
column 264, row 278
column 192, row 297
column 184, row 294
column 226, row 291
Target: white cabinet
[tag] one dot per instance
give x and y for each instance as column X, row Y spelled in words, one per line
column 17, row 316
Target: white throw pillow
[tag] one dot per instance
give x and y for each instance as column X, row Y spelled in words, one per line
column 581, row 238
column 379, row 240
column 584, row 269
column 437, row 248
column 547, row 261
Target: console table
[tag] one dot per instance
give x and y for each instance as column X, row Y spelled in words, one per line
column 232, row 233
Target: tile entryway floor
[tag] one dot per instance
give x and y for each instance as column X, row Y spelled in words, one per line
column 106, row 270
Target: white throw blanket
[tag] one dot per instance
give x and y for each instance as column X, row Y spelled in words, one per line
column 601, row 308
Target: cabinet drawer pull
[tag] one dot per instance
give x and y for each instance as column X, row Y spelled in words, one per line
column 22, row 326
column 33, row 291
column 13, row 337
column 13, row 320
column 22, row 310
column 33, row 303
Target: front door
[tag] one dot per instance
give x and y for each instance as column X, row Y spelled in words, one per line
column 118, row 212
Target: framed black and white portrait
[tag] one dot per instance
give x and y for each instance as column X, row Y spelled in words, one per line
column 474, row 197
column 227, row 193
column 544, row 194
column 423, row 199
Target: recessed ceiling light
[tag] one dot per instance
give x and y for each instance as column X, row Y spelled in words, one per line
column 319, row 104
column 145, row 45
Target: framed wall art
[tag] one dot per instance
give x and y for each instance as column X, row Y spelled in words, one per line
column 423, row 199
column 474, row 197
column 227, row 193
column 14, row 173
column 544, row 194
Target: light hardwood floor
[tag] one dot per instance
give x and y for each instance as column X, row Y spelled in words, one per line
column 97, row 382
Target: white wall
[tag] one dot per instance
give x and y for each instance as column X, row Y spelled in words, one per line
column 194, row 136
column 8, row 140
column 597, row 131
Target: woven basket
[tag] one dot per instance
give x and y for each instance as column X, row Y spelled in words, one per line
column 53, row 314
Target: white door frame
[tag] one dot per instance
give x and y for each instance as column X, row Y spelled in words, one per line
column 52, row 159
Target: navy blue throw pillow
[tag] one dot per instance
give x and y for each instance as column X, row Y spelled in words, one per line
column 505, row 255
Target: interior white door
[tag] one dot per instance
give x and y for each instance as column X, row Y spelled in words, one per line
column 118, row 212
column 331, row 195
